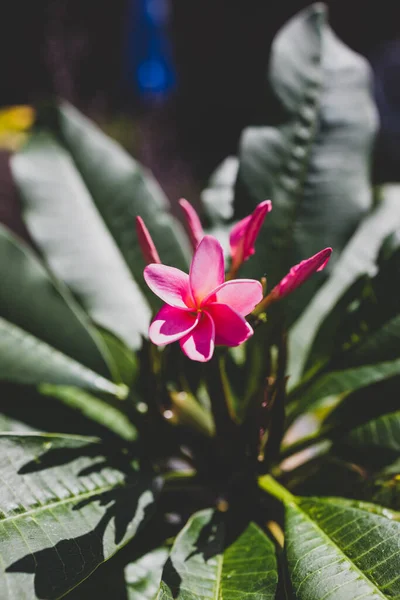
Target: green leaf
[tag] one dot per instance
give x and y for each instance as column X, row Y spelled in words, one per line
column 124, row 358
column 341, row 552
column 80, row 194
column 8, row 425
column 359, row 258
column 375, row 443
column 122, row 189
column 336, row 383
column 325, row 342
column 315, row 166
column 78, row 248
column 143, row 576
column 93, row 408
column 31, row 301
column 66, row 508
column 26, row 359
column 206, row 563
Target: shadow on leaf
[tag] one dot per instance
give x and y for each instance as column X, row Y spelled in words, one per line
column 122, row 510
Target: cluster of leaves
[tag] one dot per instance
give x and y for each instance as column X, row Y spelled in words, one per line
column 253, row 462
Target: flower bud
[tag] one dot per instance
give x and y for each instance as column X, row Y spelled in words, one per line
column 146, row 243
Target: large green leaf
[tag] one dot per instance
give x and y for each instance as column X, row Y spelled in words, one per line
column 122, row 189
column 73, row 238
column 143, row 576
column 330, row 303
column 338, row 551
column 26, row 359
column 31, row 301
column 207, row 565
column 80, row 195
column 65, row 509
column 315, row 165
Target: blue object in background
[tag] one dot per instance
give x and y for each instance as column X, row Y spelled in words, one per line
column 150, row 61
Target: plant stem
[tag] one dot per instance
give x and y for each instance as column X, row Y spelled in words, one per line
column 270, row 485
column 221, row 399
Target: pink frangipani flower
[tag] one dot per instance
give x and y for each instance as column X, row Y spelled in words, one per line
column 300, row 273
column 146, row 243
column 201, row 310
column 244, row 234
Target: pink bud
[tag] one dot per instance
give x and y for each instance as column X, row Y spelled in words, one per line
column 244, row 234
column 146, row 243
column 300, row 273
column 195, row 229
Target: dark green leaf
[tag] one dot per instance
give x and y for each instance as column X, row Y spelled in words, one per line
column 124, row 358
column 144, row 575
column 66, row 508
column 326, row 340
column 206, row 564
column 315, row 166
column 93, row 408
column 358, row 259
column 340, row 552
column 336, row 383
column 381, row 433
column 32, row 302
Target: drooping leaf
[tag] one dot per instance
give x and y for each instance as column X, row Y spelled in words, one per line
column 206, row 563
column 315, row 166
column 65, row 509
column 340, row 551
column 32, row 302
column 143, row 576
column 93, row 408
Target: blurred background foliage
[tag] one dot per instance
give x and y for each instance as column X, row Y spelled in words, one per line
column 176, row 82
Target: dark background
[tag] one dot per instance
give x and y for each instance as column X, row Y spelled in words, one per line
column 83, row 51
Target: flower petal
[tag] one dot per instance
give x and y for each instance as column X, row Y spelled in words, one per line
column 236, row 239
column 146, row 243
column 244, row 234
column 169, row 284
column 254, row 226
column 207, row 268
column 199, row 344
column 242, row 295
column 231, row 329
column 195, row 229
column 300, row 273
column 171, row 324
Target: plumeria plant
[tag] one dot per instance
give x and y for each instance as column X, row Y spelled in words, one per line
column 184, row 413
